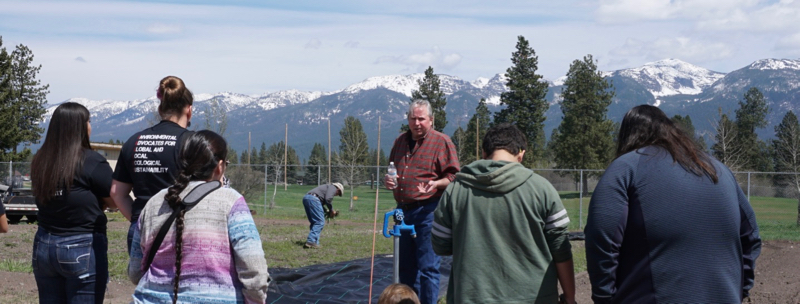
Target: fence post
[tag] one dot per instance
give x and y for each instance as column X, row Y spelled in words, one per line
column 266, row 168
column 580, row 206
column 11, row 173
column 319, row 174
column 748, row 186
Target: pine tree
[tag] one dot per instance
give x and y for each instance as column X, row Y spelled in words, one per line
column 262, row 157
column 315, row 170
column 476, row 129
column 232, row 158
column 584, row 137
column 7, row 115
column 752, row 114
column 429, row 90
column 525, row 101
column 22, row 102
column 685, row 124
column 459, row 139
column 353, row 150
column 786, row 154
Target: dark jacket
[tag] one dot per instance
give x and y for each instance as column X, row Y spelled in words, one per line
column 657, row 233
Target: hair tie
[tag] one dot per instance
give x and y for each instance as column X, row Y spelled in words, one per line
column 159, row 93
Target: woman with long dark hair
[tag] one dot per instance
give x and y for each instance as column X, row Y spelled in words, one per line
column 71, row 184
column 210, row 250
column 668, row 223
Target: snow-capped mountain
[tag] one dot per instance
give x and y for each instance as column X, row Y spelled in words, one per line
column 676, row 86
column 671, row 77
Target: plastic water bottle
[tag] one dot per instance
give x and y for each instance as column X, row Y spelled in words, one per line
column 393, row 174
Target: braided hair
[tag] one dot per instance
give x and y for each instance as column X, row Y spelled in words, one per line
column 199, row 157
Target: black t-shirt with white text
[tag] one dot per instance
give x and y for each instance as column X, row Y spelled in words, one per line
column 149, row 161
column 79, row 210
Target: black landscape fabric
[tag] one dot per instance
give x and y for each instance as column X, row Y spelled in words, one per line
column 343, row 282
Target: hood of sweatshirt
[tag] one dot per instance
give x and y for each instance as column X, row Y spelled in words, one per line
column 494, row 176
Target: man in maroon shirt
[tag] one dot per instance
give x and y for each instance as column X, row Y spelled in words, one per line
column 426, row 162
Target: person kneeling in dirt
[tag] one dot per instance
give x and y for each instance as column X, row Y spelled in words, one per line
column 317, row 203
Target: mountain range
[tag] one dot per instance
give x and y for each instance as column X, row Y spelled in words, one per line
column 675, row 86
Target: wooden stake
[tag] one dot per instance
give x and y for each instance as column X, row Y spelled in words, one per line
column 329, row 150
column 248, row 148
column 375, row 221
column 285, row 159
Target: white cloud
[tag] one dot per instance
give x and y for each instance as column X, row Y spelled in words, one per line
column 626, row 11
column 313, row 44
column 434, row 58
column 251, row 47
column 683, row 48
column 790, row 45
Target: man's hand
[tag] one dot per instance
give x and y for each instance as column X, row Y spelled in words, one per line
column 428, row 187
column 389, row 182
column 331, row 214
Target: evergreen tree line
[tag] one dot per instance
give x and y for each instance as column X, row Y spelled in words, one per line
column 22, row 101
column 585, row 139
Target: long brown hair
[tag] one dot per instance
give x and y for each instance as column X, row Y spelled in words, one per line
column 61, row 156
column 174, row 97
column 646, row 125
column 199, row 156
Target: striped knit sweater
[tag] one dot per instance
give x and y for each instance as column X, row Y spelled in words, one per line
column 223, row 261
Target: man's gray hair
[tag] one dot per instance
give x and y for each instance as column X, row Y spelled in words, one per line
column 416, row 103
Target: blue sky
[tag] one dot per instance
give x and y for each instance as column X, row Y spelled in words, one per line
column 118, row 50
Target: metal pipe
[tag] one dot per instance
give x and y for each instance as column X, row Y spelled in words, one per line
column 396, row 275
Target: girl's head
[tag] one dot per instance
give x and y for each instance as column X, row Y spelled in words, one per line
column 398, row 294
column 61, row 156
column 203, row 157
column 176, row 99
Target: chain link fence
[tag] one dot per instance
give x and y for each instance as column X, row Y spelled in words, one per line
column 254, row 181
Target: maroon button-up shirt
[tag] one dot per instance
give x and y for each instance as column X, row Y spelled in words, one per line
column 434, row 157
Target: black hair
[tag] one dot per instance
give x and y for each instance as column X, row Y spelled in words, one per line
column 200, row 154
column 504, row 136
column 174, row 97
column 61, row 156
column 646, row 125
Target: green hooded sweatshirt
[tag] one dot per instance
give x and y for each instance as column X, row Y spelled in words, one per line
column 506, row 228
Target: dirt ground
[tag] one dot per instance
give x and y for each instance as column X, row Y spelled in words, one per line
column 777, row 272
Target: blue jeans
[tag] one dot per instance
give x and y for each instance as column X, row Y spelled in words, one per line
column 130, row 235
column 316, row 216
column 70, row 269
column 419, row 265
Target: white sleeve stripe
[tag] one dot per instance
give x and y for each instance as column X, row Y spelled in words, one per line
column 556, row 216
column 441, row 234
column 560, row 223
column 442, row 228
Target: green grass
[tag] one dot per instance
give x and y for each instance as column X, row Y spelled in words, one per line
column 16, row 265
column 289, row 203
column 350, row 235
